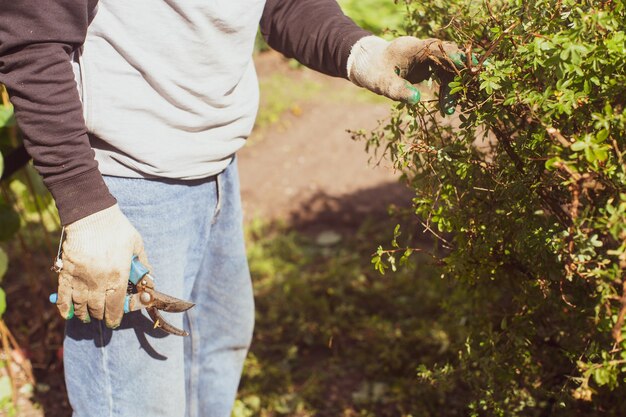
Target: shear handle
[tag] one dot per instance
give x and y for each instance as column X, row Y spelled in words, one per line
column 137, row 270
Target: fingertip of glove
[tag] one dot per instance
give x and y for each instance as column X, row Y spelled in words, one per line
column 113, row 325
column 460, row 59
column 447, row 105
column 414, row 94
column 70, row 314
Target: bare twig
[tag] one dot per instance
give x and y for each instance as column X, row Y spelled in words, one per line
column 427, row 228
column 6, row 348
column 556, row 134
column 495, row 43
column 390, row 251
column 491, row 14
column 617, row 329
column 619, row 153
column 574, row 188
column 506, row 144
column 5, row 96
column 16, row 347
column 575, row 176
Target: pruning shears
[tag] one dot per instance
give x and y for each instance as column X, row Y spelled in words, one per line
column 141, row 294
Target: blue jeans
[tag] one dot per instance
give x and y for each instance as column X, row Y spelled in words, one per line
column 194, row 240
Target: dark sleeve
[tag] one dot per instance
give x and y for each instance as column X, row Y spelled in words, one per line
column 37, row 39
column 315, row 32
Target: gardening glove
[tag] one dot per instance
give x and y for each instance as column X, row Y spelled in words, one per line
column 97, row 254
column 391, row 68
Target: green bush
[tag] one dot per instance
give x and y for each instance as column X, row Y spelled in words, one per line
column 524, row 192
column 377, row 16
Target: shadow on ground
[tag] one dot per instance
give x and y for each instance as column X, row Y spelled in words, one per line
column 322, row 211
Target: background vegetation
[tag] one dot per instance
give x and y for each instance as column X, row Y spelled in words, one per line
column 378, row 16
column 27, row 216
column 503, row 291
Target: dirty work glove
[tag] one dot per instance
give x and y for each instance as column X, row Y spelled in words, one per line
column 97, row 254
column 391, row 68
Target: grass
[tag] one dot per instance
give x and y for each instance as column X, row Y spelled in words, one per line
column 335, row 338
column 289, row 92
column 281, row 93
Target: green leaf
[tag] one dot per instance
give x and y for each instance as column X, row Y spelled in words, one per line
column 6, row 116
column 600, row 154
column 5, row 388
column 9, row 222
column 3, row 302
column 601, row 376
column 578, row 146
column 550, row 162
column 602, row 135
column 4, row 263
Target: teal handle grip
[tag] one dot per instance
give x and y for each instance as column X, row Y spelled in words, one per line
column 54, row 298
column 127, row 304
column 137, row 271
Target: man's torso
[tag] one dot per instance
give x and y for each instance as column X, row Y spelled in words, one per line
column 169, row 87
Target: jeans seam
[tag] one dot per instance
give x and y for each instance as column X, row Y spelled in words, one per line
column 193, row 374
column 105, row 369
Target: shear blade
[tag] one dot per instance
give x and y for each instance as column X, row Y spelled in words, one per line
column 170, row 304
column 160, row 322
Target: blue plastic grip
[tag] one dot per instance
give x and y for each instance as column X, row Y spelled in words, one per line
column 127, row 304
column 137, row 270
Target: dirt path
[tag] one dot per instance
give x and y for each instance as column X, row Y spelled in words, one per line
column 306, row 166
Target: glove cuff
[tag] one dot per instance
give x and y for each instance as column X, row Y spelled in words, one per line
column 97, row 221
column 362, row 54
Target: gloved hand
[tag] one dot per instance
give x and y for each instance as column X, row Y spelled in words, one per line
column 391, row 68
column 97, row 254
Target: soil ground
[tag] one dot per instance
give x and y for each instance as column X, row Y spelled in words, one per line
column 300, row 168
column 306, row 165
